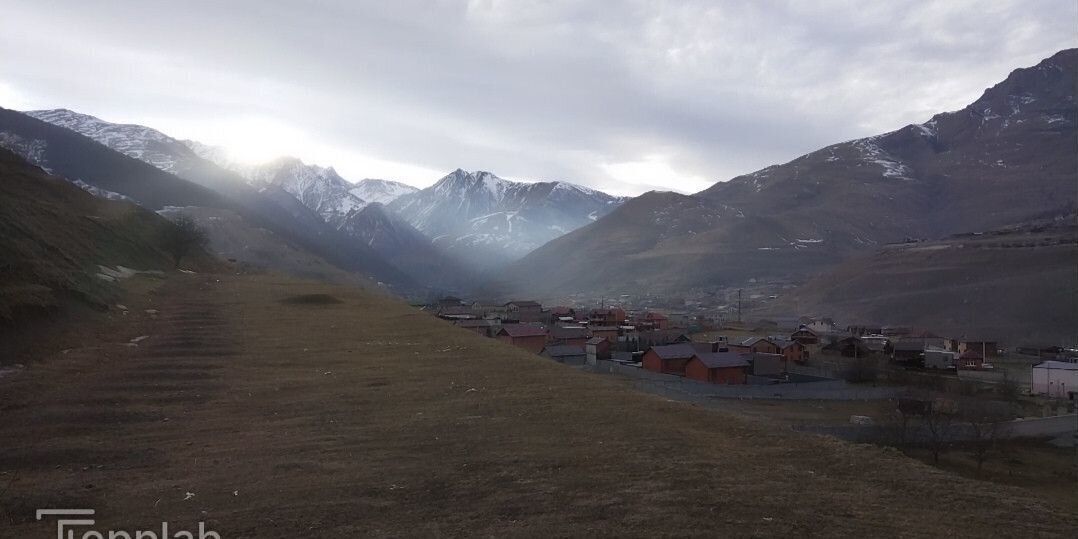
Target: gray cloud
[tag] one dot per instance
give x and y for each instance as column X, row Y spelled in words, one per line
column 624, row 96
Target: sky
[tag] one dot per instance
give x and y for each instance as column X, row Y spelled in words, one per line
column 621, row 96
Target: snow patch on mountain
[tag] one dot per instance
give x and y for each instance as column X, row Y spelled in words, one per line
column 137, row 141
column 873, row 153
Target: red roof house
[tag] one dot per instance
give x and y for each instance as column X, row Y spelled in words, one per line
column 526, row 336
column 718, row 368
column 669, row 359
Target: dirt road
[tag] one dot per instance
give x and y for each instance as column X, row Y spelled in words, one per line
column 270, row 408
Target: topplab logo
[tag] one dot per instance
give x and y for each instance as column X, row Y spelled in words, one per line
column 78, row 524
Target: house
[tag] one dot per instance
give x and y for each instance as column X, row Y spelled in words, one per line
column 756, row 345
column 805, row 335
column 668, row 359
column 908, row 351
column 484, row 328
column 529, row 337
column 986, row 349
column 970, row 360
column 718, row 368
column 598, row 348
column 569, row 354
column 848, row 347
column 568, row 335
column 822, row 325
column 1057, row 379
column 792, row 350
column 524, row 311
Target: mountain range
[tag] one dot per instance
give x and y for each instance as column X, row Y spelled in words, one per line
column 1006, row 158
column 492, row 221
column 84, row 158
column 317, row 210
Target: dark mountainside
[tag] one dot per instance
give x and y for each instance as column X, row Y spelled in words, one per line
column 1007, row 158
column 405, row 247
column 77, row 157
column 53, row 236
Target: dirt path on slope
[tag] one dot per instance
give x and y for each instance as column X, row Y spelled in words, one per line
column 265, row 409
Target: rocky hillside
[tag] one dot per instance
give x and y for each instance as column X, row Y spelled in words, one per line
column 1007, row 157
column 490, row 221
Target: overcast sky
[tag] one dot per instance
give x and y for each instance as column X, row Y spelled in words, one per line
column 623, row 96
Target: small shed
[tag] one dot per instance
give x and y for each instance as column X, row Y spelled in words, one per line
column 598, row 348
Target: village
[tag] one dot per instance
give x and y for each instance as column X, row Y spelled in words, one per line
column 950, row 402
column 716, row 351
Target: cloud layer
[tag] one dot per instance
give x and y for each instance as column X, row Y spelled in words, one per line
column 623, row 96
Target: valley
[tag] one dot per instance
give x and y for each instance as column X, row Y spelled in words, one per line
column 266, row 406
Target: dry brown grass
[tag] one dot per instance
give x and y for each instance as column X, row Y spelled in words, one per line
column 370, row 418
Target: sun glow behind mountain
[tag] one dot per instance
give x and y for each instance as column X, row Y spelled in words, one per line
column 253, row 140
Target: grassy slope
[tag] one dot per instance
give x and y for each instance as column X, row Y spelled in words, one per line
column 53, row 235
column 366, row 417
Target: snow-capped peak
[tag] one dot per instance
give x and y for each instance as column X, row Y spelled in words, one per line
column 137, row 141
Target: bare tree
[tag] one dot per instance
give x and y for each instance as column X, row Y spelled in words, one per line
column 182, row 237
column 938, row 420
column 986, row 420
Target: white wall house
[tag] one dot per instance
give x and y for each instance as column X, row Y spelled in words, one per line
column 1054, row 379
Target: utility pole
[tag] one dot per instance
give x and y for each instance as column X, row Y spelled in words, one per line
column 739, row 305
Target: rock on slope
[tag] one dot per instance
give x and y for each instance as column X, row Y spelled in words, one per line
column 490, row 221
column 1007, row 157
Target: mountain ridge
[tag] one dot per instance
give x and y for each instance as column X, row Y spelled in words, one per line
column 972, row 169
